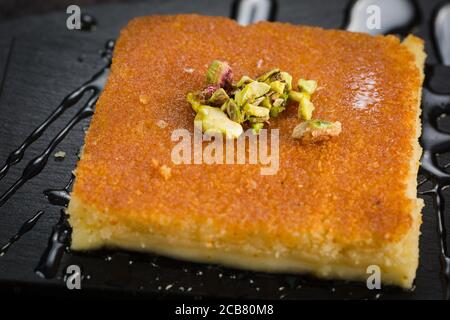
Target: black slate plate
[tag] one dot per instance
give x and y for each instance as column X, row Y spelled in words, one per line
column 41, row 62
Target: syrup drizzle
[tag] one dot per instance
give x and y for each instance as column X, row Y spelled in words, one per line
column 59, row 240
column 434, row 142
column 36, row 165
column 57, row 243
column 60, row 237
column 27, row 226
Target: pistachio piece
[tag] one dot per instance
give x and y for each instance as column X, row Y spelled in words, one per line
column 251, row 91
column 297, row 96
column 308, row 86
column 209, row 91
column 252, row 119
column 287, row 78
column 213, row 120
column 278, row 86
column 273, row 95
column 279, row 102
column 322, row 124
column 256, row 127
column 258, row 101
column 268, row 75
column 218, row 98
column 255, row 111
column 234, row 112
column 315, row 131
column 195, row 100
column 305, row 108
column 219, row 73
column 275, row 111
column 243, row 81
column 266, row 103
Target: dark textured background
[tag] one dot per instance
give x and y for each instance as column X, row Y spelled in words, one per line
column 41, row 62
column 10, row 9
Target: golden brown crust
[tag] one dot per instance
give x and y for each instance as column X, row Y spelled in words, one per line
column 326, row 202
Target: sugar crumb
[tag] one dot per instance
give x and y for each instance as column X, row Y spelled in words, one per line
column 59, row 155
column 161, row 123
column 165, row 171
column 259, row 63
column 144, row 99
column 155, row 162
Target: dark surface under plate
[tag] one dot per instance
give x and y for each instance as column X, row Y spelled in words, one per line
column 41, row 62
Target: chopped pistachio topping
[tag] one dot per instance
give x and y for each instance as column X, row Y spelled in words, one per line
column 234, row 112
column 275, row 111
column 322, row 124
column 218, row 98
column 251, row 91
column 287, row 78
column 258, row 101
column 296, row 96
column 255, row 111
column 308, row 86
column 194, row 99
column 256, row 127
column 213, row 120
column 222, row 106
column 219, row 73
column 305, row 109
column 244, row 80
column 278, row 102
column 278, row 86
column 315, row 131
column 266, row 76
column 305, row 106
column 266, row 103
column 207, row 93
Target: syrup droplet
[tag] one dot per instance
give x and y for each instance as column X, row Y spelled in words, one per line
column 60, row 197
column 88, row 22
